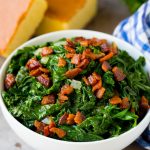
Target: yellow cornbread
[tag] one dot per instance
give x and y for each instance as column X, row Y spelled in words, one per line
column 67, row 14
column 18, row 21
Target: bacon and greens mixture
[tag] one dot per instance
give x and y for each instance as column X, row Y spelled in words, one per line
column 77, row 89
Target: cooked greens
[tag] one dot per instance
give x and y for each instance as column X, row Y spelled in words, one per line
column 85, row 98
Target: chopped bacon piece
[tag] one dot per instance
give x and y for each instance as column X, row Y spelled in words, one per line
column 114, row 48
column 39, row 126
column 79, row 118
column 49, row 99
column 63, row 119
column 92, row 80
column 62, row 98
column 46, row 131
column 115, row 100
column 88, row 54
column 106, row 57
column 46, row 51
column 69, row 49
column 100, row 92
column 96, row 76
column 84, row 43
column 44, row 70
column 106, row 66
column 97, row 86
column 144, row 103
column 96, row 41
column 125, row 103
column 118, row 74
column 38, row 71
column 143, row 106
column 132, row 110
column 35, row 72
column 44, row 79
column 69, row 55
column 79, row 39
column 33, row 63
column 9, row 81
column 52, row 124
column 73, row 72
column 66, row 89
column 60, row 132
column 70, row 119
column 70, row 43
column 86, row 81
column 76, row 59
column 61, row 62
column 105, row 48
column 83, row 63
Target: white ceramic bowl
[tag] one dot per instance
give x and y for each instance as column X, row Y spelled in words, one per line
column 44, row 143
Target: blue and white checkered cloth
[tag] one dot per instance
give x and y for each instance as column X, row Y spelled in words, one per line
column 136, row 31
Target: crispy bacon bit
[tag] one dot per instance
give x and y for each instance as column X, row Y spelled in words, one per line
column 96, row 76
column 100, row 92
column 62, row 98
column 76, row 59
column 35, row 72
column 38, row 71
column 70, row 119
column 115, row 100
column 92, row 80
column 44, row 70
column 69, row 55
column 49, row 99
column 69, row 49
column 132, row 110
column 83, row 63
column 32, row 64
column 44, row 79
column 114, row 48
column 60, row 132
column 61, row 62
column 63, row 119
column 144, row 103
column 46, row 51
column 106, row 66
column 9, row 81
column 79, row 118
column 79, row 39
column 70, row 43
column 86, row 81
column 73, row 72
column 96, row 41
column 66, row 89
column 39, row 126
column 52, row 124
column 125, row 103
column 88, row 54
column 97, row 86
column 105, row 48
column 106, row 57
column 118, row 74
column 46, row 131
column 84, row 43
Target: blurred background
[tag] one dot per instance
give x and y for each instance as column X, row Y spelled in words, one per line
column 102, row 16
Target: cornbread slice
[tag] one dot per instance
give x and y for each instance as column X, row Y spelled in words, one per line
column 67, row 14
column 18, row 21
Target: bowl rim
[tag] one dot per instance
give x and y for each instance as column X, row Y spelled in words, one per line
column 46, row 36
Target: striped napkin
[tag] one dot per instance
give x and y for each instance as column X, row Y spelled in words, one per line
column 136, row 31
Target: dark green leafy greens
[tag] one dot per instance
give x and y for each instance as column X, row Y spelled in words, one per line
column 103, row 120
